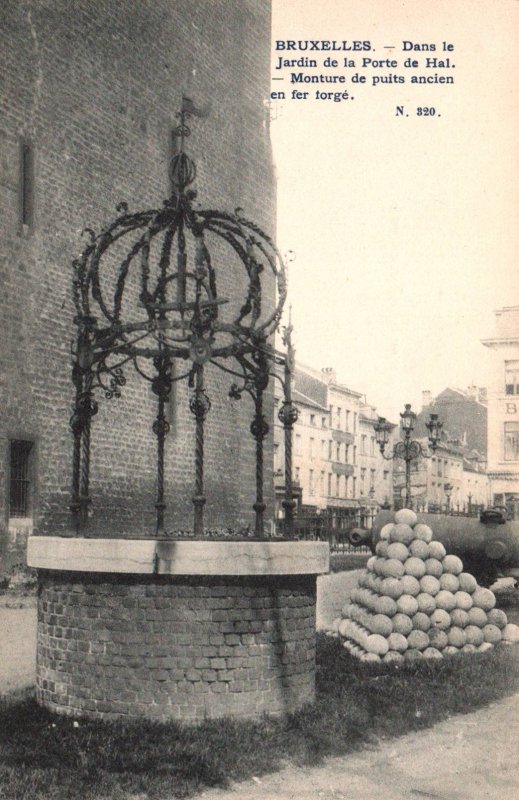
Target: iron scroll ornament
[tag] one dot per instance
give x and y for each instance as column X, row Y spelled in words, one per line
column 146, row 293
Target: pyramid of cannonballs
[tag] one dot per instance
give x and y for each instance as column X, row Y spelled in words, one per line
column 415, row 601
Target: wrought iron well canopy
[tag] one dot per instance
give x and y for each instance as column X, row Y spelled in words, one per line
column 147, row 295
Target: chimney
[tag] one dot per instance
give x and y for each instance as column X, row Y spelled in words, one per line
column 426, row 398
column 472, row 392
column 482, row 395
column 329, row 375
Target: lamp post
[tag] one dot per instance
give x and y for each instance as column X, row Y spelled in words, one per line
column 407, row 449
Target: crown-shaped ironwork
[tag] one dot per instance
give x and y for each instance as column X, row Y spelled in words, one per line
column 146, row 292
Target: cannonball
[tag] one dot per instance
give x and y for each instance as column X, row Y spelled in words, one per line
column 385, row 605
column 492, row 634
column 430, row 585
column 377, row 644
column 344, row 627
column 410, row 585
column 474, row 635
column 438, row 638
column 422, row 531
column 334, row 627
column 380, row 623
column 392, row 568
column 432, row 652
column 397, row 550
column 452, row 564
column 405, row 516
column 413, row 655
column 406, row 604
column 415, row 567
column 398, row 642
column 486, row 647
column 468, row 583
column 441, row 619
column 449, row 582
column 445, row 600
column 418, row 640
column 386, row 530
column 469, row 648
column 381, row 548
column 450, row 650
column 377, row 583
column 426, row 602
column 437, row 550
column 419, row 549
column 392, row 657
column 378, row 565
column 370, row 657
column 497, row 617
column 456, row 636
column 371, row 563
column 463, row 600
column 402, row 533
column 392, row 588
column 459, row 617
column 477, row 616
column 510, row 633
column 402, row 623
column 421, row 621
column 484, row 598
column 433, row 567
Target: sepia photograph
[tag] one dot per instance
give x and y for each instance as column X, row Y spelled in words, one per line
column 259, row 400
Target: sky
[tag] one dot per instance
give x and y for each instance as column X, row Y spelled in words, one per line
column 402, row 229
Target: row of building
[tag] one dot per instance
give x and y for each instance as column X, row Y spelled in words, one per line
column 342, row 479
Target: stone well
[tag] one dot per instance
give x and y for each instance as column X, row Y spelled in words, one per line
column 179, row 630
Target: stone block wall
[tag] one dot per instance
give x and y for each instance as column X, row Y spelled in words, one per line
column 175, row 648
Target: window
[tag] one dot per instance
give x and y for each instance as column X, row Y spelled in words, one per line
column 372, row 446
column 354, row 490
column 338, row 452
column 347, row 420
column 354, row 422
column 311, row 482
column 337, row 478
column 338, row 420
column 363, row 445
column 511, row 441
column 298, row 474
column 298, row 444
column 386, row 474
column 323, row 422
column 346, row 453
column 345, row 486
column 439, row 465
column 354, row 453
column 311, row 447
column 20, row 478
column 372, row 480
column 512, row 377
column 312, row 419
column 26, row 185
column 323, row 448
column 321, row 483
column 329, row 484
column 330, row 450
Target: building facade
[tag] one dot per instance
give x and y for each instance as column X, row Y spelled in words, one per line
column 503, row 410
column 337, row 467
column 89, row 95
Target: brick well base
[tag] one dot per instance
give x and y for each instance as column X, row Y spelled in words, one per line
column 170, row 647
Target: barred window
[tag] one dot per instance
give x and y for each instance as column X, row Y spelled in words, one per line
column 20, row 478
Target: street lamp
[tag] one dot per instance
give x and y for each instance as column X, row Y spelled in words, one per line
column 407, row 449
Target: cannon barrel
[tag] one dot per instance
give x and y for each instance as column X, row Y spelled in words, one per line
column 487, row 545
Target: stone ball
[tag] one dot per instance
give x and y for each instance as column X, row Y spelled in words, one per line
column 433, row 567
column 421, row 621
column 386, row 530
column 438, row 638
column 419, row 549
column 456, row 636
column 402, row 623
column 459, row 617
column 406, row 516
column 410, row 585
column 452, row 564
column 402, row 533
column 426, row 603
column 474, row 635
column 432, row 652
column 418, row 640
column 449, row 582
column 430, row 585
column 397, row 550
column 407, row 604
column 477, row 616
column 392, row 588
column 424, row 532
column 415, row 567
column 484, row 598
column 492, row 634
column 468, row 583
column 497, row 617
column 437, row 550
column 398, row 642
column 445, row 600
column 441, row 619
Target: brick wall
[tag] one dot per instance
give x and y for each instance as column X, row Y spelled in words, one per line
column 93, row 86
column 167, row 648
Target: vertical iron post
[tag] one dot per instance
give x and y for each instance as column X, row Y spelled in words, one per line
column 199, row 406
